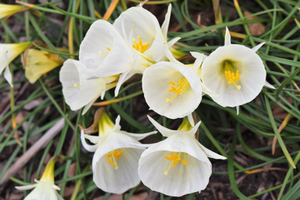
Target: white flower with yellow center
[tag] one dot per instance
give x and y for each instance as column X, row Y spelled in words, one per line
column 148, row 41
column 177, row 165
column 44, row 189
column 79, row 89
column 115, row 162
column 172, row 89
column 8, row 52
column 141, row 30
column 234, row 72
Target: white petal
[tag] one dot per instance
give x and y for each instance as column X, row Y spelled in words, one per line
column 258, row 46
column 90, row 148
column 106, row 55
column 165, row 25
column 211, row 154
column 269, row 85
column 199, row 59
column 227, row 37
column 78, row 89
column 140, row 136
column 180, row 180
column 92, row 138
column 191, row 119
column 7, row 76
column 117, row 126
column 4, row 60
column 87, row 107
column 26, row 187
column 112, row 180
column 163, row 130
column 173, row 41
column 155, row 83
column 123, row 77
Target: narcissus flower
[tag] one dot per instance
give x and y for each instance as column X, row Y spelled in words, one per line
column 234, row 72
column 7, row 10
column 44, row 189
column 8, row 52
column 172, row 89
column 177, row 165
column 39, row 62
column 141, row 30
column 146, row 39
column 115, row 162
column 79, row 89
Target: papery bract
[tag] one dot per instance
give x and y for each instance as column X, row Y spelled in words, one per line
column 8, row 52
column 177, row 165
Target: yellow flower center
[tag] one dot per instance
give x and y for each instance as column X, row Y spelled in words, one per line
column 231, row 73
column 175, row 158
column 113, row 156
column 178, row 88
column 76, row 85
column 140, row 46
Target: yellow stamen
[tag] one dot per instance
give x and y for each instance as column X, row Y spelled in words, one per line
column 140, row 46
column 105, row 54
column 175, row 158
column 76, row 85
column 113, row 156
column 100, row 52
column 231, row 73
column 182, row 85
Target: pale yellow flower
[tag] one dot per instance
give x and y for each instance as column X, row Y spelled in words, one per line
column 39, row 62
column 7, row 10
column 8, row 52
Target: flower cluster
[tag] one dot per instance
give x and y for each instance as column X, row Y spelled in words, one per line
column 175, row 166
column 109, row 55
column 135, row 43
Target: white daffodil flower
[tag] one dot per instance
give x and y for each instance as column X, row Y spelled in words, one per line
column 115, row 162
column 234, row 72
column 8, row 52
column 104, row 52
column 177, row 165
column 78, row 89
column 148, row 41
column 45, row 189
column 141, row 30
column 172, row 89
